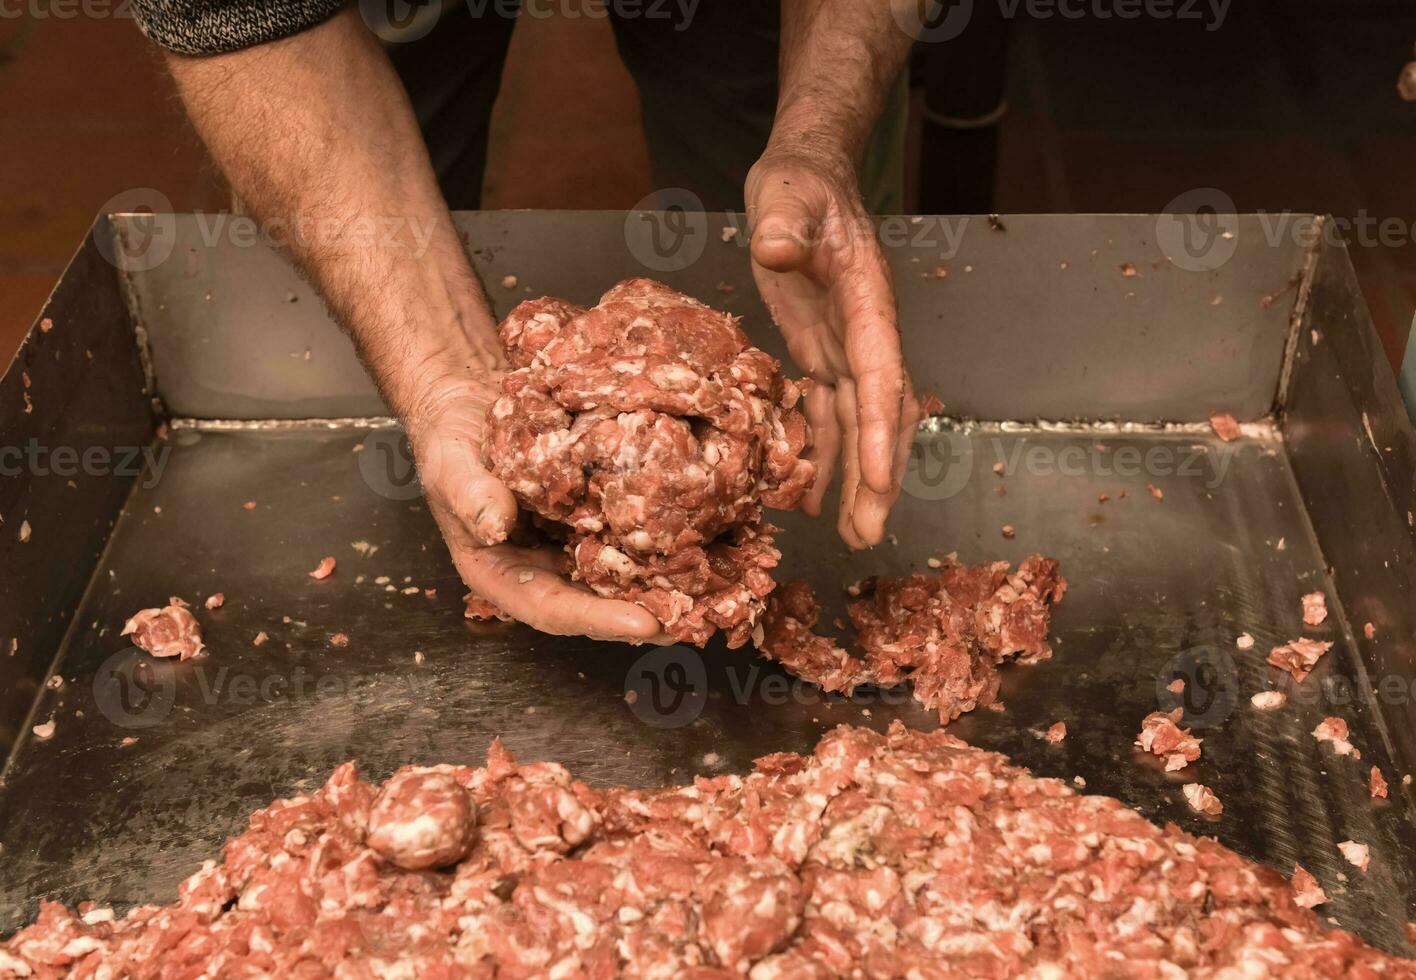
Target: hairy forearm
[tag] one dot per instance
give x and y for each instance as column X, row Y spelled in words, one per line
column 316, row 135
column 838, row 60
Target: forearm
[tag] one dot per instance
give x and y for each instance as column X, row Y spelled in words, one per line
column 838, row 60
column 316, row 135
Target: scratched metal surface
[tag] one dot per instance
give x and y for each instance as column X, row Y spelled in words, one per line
column 1159, row 589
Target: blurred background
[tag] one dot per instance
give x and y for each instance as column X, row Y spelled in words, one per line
column 1279, row 104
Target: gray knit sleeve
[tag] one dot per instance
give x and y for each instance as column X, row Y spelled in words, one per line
column 216, row 26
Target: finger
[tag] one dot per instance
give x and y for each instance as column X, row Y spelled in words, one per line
column 872, row 341
column 486, row 508
column 820, row 408
column 785, row 227
column 872, row 509
column 520, row 582
column 850, row 467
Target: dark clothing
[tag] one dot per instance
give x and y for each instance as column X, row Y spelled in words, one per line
column 706, row 72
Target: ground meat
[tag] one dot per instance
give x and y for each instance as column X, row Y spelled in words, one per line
column 1161, row 735
column 1202, row 799
column 1225, row 427
column 422, row 818
column 1269, row 700
column 650, row 435
column 1355, row 853
column 907, row 854
column 945, row 632
column 482, row 609
column 1314, row 609
column 1055, row 733
column 171, row 631
column 1334, row 731
column 1299, row 657
column 1306, row 891
column 1378, row 784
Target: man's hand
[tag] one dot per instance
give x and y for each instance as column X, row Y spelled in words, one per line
column 815, row 255
column 475, row 512
column 290, row 125
column 818, row 267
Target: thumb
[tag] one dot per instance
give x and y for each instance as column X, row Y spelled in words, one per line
column 786, row 228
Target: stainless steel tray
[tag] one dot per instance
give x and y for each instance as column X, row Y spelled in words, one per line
column 1317, row 495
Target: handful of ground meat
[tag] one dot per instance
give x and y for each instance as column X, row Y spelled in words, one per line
column 650, row 434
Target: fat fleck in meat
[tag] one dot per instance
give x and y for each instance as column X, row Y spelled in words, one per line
column 648, row 434
column 944, row 632
column 171, row 631
column 907, row 854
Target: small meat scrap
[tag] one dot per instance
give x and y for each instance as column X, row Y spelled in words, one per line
column 171, row 631
column 1056, row 733
column 1225, row 426
column 260, row 639
column 324, row 569
column 1269, row 700
column 249, row 505
column 1378, row 784
column 1008, row 531
column 647, row 434
column 1155, row 491
column 1202, row 799
column 946, row 632
column 509, row 282
column 215, row 601
column 930, row 404
column 897, row 854
column 1162, row 735
column 24, row 532
column 1334, row 731
column 44, row 731
column 339, row 639
column 1314, row 609
column 1306, row 890
column 1369, row 631
column 479, row 609
column 1176, row 686
column 1299, row 657
column 1128, row 270
column 1244, row 641
column 1356, row 854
